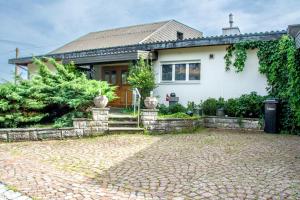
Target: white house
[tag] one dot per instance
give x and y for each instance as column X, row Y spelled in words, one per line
column 184, row 61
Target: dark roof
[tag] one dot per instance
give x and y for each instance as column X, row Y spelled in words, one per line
column 171, row 44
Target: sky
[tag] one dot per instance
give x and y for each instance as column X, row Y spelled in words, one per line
column 40, row 26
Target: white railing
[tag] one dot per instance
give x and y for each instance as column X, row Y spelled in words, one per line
column 137, row 103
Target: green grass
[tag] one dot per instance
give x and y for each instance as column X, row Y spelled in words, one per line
column 178, row 115
column 42, row 126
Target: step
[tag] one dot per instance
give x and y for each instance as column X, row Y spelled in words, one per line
column 125, row 129
column 122, row 123
column 122, row 118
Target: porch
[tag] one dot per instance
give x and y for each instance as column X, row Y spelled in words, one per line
column 114, row 69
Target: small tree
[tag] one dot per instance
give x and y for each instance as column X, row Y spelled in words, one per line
column 141, row 76
column 50, row 97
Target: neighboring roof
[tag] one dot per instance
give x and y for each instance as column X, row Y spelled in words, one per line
column 294, row 30
column 131, row 35
column 78, row 56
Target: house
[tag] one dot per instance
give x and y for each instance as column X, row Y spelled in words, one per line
column 184, row 61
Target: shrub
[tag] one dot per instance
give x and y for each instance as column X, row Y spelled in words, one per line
column 175, row 108
column 221, row 103
column 231, row 107
column 142, row 77
column 177, row 115
column 209, row 106
column 49, row 97
column 250, row 105
column 163, row 109
column 247, row 105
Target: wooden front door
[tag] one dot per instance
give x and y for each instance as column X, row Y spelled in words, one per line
column 117, row 75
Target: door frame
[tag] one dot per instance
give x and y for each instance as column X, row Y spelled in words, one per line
column 123, row 89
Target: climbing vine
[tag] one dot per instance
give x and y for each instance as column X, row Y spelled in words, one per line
column 279, row 61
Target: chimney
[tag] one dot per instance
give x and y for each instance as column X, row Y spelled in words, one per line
column 231, row 30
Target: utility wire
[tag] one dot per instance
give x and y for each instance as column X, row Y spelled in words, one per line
column 17, row 42
column 37, row 47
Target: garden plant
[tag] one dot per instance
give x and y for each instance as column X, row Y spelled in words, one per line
column 49, row 97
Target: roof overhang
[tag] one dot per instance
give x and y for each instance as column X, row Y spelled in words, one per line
column 133, row 52
column 96, row 58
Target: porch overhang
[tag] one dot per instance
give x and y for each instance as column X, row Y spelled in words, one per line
column 117, row 56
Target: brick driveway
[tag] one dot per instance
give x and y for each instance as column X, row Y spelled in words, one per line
column 210, row 164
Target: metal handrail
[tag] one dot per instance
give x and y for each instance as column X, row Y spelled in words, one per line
column 137, row 102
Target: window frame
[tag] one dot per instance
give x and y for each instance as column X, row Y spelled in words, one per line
column 161, row 72
column 187, row 68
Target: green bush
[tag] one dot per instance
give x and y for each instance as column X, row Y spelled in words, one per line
column 250, row 105
column 49, row 97
column 175, row 108
column 177, row 115
column 209, row 106
column 247, row 105
column 163, row 109
column 231, row 107
column 142, row 77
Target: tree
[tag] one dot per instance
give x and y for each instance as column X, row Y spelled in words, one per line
column 142, row 77
column 50, row 97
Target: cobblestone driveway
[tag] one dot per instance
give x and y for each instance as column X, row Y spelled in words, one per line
column 208, row 165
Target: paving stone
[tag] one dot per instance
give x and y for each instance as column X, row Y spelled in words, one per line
column 208, row 165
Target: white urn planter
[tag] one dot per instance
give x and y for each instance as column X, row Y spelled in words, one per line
column 151, row 102
column 101, row 101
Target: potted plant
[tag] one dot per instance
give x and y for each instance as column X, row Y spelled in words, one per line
column 220, row 107
column 151, row 102
column 100, row 101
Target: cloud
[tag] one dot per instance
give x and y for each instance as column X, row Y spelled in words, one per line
column 50, row 24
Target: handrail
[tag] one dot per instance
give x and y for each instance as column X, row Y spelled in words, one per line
column 138, row 102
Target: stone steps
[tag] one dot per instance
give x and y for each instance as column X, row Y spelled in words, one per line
column 114, row 117
column 122, row 124
column 125, row 129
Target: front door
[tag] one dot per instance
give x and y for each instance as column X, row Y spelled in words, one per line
column 117, row 76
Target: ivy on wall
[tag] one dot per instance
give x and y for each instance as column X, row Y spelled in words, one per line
column 279, row 61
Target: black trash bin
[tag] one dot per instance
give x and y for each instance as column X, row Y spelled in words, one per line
column 271, row 116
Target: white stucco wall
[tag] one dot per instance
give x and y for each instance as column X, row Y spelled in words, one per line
column 214, row 81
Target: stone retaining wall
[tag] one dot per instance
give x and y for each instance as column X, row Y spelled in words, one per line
column 152, row 123
column 149, row 118
column 23, row 134
column 232, row 123
column 81, row 127
column 175, row 124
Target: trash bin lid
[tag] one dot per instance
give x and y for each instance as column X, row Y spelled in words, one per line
column 272, row 100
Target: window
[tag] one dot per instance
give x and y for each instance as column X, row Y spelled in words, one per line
column 110, row 77
column 194, row 71
column 166, row 73
column 124, row 76
column 113, row 77
column 179, row 35
column 180, row 72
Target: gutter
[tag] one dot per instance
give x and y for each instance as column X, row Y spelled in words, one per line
column 194, row 42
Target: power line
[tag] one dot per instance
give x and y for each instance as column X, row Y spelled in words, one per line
column 17, row 42
column 37, row 47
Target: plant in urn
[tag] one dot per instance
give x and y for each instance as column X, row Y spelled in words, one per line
column 151, row 102
column 100, row 101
